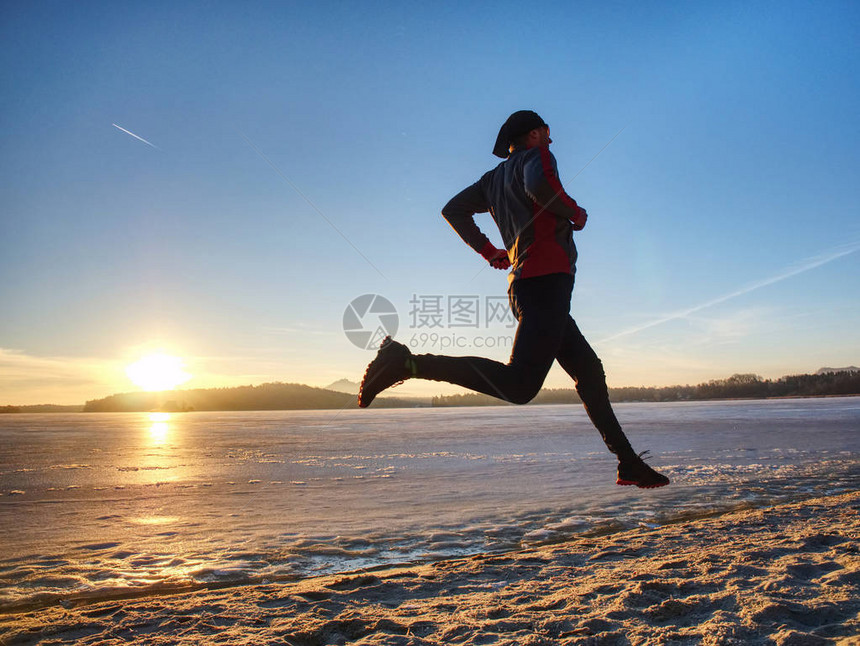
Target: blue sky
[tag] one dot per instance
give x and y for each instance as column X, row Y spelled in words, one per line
column 300, row 155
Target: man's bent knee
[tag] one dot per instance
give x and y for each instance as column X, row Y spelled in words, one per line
column 525, row 393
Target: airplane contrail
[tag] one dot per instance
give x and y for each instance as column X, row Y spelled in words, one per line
column 128, row 132
column 806, row 265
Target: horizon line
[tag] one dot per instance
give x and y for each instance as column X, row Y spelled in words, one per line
column 820, row 371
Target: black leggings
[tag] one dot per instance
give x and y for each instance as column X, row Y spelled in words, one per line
column 546, row 332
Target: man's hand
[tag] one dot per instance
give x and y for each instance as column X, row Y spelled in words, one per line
column 498, row 258
column 579, row 220
column 501, row 261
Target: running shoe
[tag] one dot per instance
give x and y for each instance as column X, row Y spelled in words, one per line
column 635, row 472
column 389, row 368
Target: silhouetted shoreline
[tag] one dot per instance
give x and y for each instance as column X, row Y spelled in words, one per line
column 290, row 396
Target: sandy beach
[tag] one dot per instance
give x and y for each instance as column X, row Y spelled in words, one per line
column 786, row 575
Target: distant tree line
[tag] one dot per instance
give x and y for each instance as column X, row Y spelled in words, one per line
column 41, row 408
column 750, row 386
column 738, row 386
column 270, row 396
column 284, row 396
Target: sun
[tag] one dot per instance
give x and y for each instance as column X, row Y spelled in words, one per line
column 157, row 372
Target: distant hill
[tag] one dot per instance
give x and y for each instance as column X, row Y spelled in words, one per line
column 271, row 396
column 827, row 371
column 344, row 386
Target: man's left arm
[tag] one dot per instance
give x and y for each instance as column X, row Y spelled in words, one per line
column 540, row 176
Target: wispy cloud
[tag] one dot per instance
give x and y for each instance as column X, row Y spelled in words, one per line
column 28, row 379
column 806, row 265
column 129, row 132
column 730, row 328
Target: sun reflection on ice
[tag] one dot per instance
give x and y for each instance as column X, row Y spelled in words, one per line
column 160, row 429
column 154, row 520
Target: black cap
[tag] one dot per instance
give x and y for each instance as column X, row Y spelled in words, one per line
column 519, row 123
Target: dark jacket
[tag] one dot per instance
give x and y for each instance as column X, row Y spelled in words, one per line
column 535, row 216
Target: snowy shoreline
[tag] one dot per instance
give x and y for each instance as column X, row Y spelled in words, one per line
column 787, row 574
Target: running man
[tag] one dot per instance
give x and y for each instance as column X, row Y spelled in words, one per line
column 536, row 219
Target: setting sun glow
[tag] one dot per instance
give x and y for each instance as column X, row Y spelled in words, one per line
column 158, row 372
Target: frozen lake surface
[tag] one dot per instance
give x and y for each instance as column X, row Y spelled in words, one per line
column 95, row 505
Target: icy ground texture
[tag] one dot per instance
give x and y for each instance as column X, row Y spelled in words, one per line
column 94, row 505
